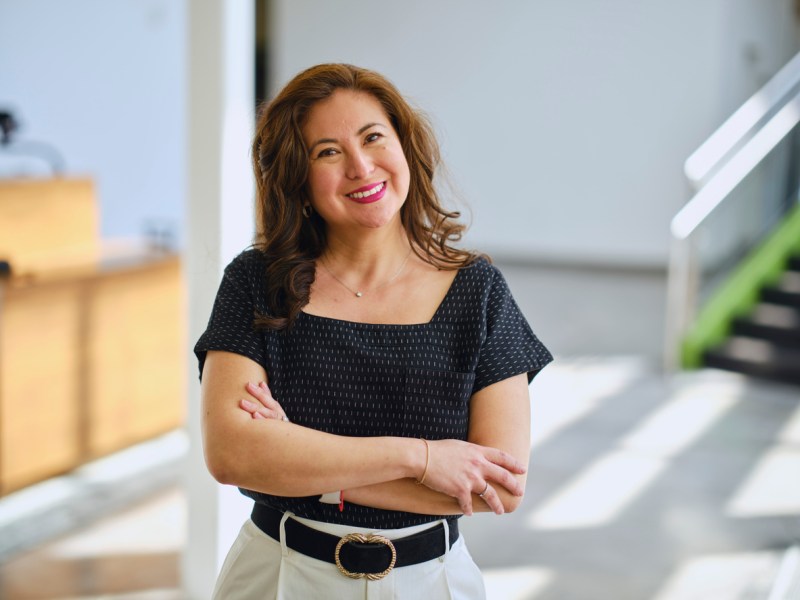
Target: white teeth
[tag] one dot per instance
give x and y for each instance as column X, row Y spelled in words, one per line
column 368, row 193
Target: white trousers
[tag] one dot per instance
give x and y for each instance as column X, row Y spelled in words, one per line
column 260, row 568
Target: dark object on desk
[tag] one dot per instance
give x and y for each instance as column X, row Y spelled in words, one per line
column 40, row 150
column 5, row 268
column 7, row 126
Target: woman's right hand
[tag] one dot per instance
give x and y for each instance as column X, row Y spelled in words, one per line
column 266, row 407
column 460, row 469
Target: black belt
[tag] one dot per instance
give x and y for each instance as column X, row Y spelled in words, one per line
column 356, row 555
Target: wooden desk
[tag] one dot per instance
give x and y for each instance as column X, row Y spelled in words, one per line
column 91, row 360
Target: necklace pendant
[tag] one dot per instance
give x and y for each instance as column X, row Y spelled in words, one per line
column 359, row 294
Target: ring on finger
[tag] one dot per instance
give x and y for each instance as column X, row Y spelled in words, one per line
column 486, row 489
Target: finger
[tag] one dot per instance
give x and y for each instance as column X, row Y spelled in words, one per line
column 261, row 393
column 248, row 406
column 255, row 409
column 263, row 414
column 505, row 460
column 506, row 479
column 252, row 407
column 492, row 500
column 260, row 390
column 466, row 504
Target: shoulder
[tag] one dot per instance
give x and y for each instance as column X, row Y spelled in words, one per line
column 249, row 256
column 244, row 278
column 247, row 265
column 482, row 274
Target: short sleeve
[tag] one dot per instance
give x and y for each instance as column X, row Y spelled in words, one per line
column 231, row 326
column 510, row 346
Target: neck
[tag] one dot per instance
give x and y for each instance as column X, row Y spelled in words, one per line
column 366, row 258
column 366, row 264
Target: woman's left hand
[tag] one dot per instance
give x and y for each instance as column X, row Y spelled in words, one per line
column 266, row 406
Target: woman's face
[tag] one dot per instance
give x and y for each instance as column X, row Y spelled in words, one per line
column 358, row 175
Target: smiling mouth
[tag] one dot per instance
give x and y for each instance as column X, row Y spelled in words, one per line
column 367, row 193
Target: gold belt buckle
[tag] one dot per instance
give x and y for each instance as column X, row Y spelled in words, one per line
column 365, row 539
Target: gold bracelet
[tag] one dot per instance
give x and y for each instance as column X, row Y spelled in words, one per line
column 421, row 480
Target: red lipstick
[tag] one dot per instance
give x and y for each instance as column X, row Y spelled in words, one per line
column 368, row 193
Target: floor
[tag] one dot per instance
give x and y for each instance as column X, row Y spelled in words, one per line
column 642, row 486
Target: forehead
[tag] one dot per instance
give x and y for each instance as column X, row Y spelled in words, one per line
column 343, row 114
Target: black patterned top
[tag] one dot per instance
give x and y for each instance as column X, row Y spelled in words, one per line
column 361, row 379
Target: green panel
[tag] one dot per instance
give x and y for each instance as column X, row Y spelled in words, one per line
column 740, row 293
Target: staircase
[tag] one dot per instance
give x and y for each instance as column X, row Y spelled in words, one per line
column 766, row 343
column 733, row 289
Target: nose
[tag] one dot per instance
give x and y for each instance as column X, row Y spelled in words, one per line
column 359, row 165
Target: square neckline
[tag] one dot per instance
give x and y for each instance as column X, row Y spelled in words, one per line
column 303, row 314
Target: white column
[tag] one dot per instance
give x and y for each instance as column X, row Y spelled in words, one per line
column 219, row 213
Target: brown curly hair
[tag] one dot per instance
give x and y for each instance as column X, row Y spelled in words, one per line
column 291, row 242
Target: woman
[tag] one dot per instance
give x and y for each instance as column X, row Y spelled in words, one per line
column 360, row 375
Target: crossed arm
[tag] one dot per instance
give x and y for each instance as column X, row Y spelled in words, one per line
column 251, row 447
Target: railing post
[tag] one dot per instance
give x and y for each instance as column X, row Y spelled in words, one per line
column 681, row 299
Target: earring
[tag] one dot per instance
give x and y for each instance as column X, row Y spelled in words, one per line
column 307, row 211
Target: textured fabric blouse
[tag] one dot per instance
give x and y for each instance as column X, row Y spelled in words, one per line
column 361, row 379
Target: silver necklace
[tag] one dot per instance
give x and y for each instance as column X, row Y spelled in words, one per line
column 358, row 293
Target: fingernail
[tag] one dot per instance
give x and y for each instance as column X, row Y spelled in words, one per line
column 247, row 403
column 262, row 384
column 250, row 384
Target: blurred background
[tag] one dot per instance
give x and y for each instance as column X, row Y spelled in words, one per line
column 631, row 167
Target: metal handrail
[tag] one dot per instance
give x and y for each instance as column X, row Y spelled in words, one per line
column 718, row 178
column 704, row 161
column 713, row 193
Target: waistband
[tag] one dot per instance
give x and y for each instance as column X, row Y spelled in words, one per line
column 357, row 554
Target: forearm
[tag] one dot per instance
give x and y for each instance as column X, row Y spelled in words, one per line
column 251, row 445
column 284, row 459
column 276, row 457
column 406, row 495
column 499, row 418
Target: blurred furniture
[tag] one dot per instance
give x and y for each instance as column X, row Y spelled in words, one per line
column 91, row 335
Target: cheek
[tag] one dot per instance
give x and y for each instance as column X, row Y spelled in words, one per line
column 404, row 172
column 320, row 184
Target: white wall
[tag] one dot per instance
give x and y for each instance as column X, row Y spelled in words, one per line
column 105, row 83
column 565, row 124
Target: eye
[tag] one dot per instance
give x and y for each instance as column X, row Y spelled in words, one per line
column 327, row 152
column 373, row 137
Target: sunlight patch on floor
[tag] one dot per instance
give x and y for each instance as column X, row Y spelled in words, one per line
column 722, row 577
column 575, row 389
column 521, row 583
column 605, row 488
column 599, row 493
column 681, row 421
column 770, row 489
column 124, row 534
column 790, row 433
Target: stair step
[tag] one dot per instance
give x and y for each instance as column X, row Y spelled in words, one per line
column 756, row 357
column 776, row 323
column 785, row 291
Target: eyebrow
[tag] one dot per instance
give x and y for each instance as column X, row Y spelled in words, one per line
column 335, row 141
